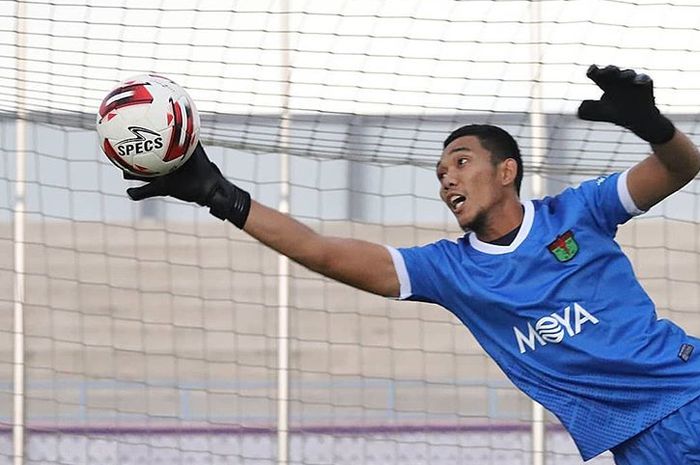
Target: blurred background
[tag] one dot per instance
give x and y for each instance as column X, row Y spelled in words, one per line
column 153, row 333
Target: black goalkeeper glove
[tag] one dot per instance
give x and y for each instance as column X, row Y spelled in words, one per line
column 628, row 101
column 198, row 180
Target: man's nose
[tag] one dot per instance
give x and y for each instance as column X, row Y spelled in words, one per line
column 448, row 181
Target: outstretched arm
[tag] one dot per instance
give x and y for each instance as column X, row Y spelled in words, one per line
column 361, row 264
column 670, row 166
column 628, row 101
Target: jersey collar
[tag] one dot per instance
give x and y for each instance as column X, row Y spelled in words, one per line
column 493, row 249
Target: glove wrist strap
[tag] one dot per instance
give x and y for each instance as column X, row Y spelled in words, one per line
column 660, row 132
column 229, row 202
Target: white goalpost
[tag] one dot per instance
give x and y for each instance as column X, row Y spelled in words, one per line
column 19, row 355
column 151, row 332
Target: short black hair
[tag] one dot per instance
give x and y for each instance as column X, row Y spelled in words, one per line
column 497, row 141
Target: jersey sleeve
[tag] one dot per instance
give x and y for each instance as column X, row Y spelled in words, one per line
column 419, row 272
column 608, row 201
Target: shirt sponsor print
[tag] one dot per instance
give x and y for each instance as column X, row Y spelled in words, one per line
column 552, row 329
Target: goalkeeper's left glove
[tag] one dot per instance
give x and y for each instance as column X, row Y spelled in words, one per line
column 200, row 181
column 628, row 101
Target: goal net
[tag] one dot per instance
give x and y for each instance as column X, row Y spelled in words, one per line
column 151, row 332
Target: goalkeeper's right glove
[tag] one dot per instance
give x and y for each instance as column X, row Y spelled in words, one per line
column 200, row 181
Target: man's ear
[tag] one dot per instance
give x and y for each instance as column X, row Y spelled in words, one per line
column 509, row 171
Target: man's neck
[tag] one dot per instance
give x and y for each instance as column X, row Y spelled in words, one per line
column 503, row 222
column 508, row 238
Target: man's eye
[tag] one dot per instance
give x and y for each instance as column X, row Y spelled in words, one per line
column 462, row 161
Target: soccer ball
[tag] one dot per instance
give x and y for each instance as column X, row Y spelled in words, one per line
column 148, row 125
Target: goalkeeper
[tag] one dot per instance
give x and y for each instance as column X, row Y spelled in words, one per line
column 541, row 284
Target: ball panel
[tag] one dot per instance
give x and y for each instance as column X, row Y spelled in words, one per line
column 136, row 93
column 151, row 162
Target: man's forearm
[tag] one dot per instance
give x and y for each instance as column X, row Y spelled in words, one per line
column 285, row 235
column 680, row 156
column 671, row 166
column 355, row 262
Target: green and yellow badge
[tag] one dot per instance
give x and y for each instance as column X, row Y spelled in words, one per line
column 565, row 247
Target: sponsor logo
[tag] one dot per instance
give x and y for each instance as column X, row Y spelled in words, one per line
column 685, row 352
column 564, row 247
column 552, row 329
column 144, row 140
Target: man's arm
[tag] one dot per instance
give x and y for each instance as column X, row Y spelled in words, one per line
column 628, row 101
column 670, row 167
column 360, row 264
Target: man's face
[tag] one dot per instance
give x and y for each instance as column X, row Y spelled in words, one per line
column 469, row 182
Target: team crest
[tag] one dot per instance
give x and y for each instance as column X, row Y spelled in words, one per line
column 565, row 247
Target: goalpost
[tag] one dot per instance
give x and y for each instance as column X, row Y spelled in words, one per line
column 150, row 332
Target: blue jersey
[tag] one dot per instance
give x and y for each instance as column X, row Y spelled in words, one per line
column 561, row 312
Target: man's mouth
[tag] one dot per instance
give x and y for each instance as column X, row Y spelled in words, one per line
column 456, row 201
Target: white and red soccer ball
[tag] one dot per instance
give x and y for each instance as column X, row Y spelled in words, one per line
column 148, row 125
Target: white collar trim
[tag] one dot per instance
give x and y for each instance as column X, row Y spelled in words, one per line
column 494, row 249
